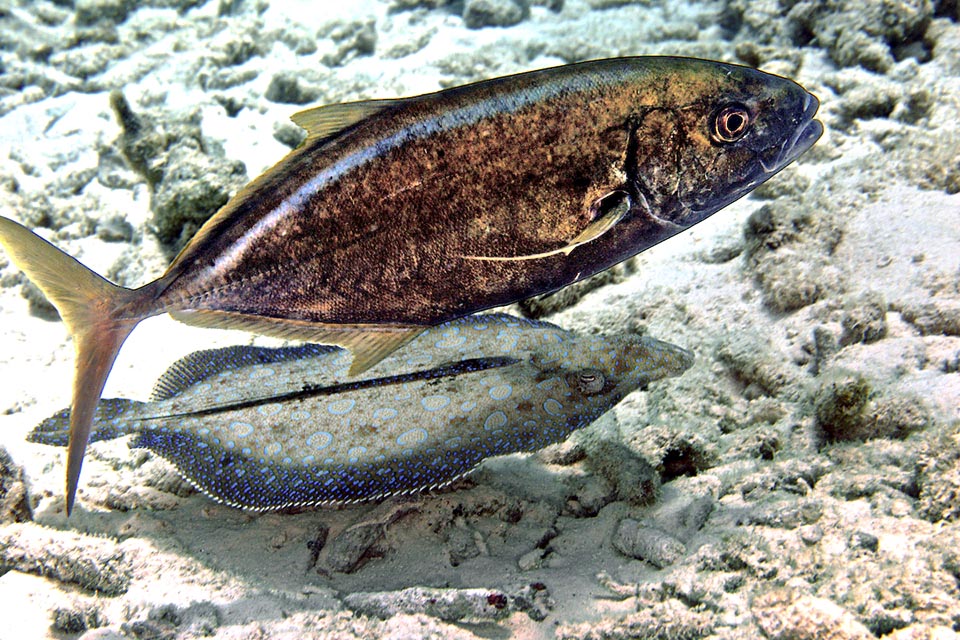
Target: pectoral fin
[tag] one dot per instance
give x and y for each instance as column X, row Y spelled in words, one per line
column 600, row 225
column 369, row 343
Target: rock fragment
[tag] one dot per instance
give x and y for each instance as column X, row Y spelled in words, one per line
column 454, row 605
column 97, row 564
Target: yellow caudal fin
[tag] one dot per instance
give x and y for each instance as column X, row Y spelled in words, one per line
column 92, row 310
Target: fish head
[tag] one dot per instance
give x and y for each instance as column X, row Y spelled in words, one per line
column 599, row 371
column 714, row 132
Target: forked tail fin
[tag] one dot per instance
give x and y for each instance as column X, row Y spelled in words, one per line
column 93, row 311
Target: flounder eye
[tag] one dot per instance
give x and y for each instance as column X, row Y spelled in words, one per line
column 730, row 124
column 590, row 381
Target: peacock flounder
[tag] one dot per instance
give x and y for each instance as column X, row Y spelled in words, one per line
column 261, row 428
column 398, row 215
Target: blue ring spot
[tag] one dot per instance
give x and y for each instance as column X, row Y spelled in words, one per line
column 272, row 449
column 501, row 392
column 320, row 440
column 434, row 403
column 552, row 407
column 341, row 407
column 385, row 413
column 269, row 409
column 412, row 437
column 241, row 429
column 495, row 420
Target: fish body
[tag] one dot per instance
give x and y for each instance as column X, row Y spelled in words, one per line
column 397, row 215
column 262, row 428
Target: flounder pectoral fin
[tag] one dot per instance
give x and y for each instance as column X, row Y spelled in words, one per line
column 612, row 209
column 369, row 343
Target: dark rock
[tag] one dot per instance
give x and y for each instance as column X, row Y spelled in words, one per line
column 193, row 188
column 864, row 540
column 347, row 550
column 633, row 479
column 939, row 478
column 14, row 499
column 287, row 87
column 350, row 39
column 494, row 13
column 864, row 320
column 839, row 405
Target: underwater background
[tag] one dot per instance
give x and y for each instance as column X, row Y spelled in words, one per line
column 801, row 480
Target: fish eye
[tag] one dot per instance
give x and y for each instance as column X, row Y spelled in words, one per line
column 730, row 124
column 590, row 381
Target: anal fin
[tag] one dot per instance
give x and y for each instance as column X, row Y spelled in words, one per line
column 369, row 343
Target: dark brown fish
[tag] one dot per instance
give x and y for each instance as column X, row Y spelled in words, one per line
column 397, row 215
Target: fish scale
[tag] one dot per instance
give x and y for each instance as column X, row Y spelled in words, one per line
column 464, row 391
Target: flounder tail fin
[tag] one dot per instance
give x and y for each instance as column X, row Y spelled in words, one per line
column 92, row 310
column 108, row 424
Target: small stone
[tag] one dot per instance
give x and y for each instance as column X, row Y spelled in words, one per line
column 864, row 540
column 635, row 540
column 532, row 559
column 93, row 11
column 115, row 229
column 348, row 549
column 461, row 545
column 286, row 87
column 864, row 320
column 839, row 405
column 634, row 480
column 494, row 13
column 810, row 534
column 593, row 494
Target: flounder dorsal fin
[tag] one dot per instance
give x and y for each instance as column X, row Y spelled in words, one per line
column 329, row 120
column 201, row 365
column 369, row 343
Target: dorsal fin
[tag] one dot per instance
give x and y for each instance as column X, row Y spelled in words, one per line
column 198, row 366
column 329, row 120
column 369, row 343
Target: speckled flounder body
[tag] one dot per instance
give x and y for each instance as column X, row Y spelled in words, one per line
column 262, row 428
column 397, row 215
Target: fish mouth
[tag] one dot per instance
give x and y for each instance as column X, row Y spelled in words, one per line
column 808, row 131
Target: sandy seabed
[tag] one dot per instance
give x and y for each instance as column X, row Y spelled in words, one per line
column 808, row 465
